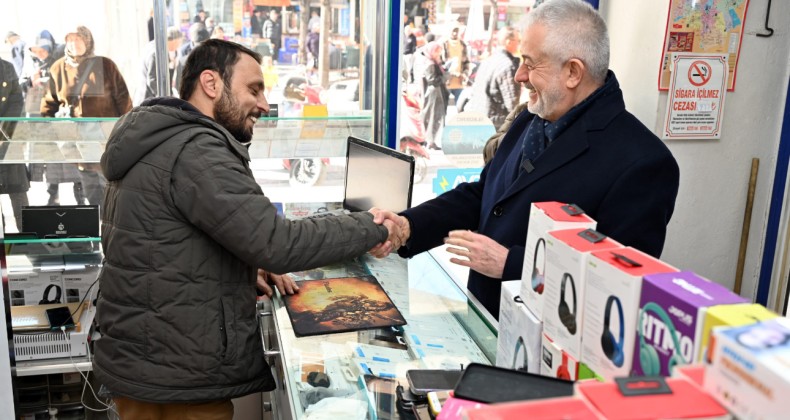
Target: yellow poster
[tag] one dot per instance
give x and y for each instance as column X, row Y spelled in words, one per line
column 710, row 26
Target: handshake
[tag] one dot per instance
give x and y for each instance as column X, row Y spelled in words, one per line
column 399, row 231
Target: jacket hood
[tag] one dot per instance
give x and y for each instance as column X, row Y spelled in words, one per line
column 154, row 122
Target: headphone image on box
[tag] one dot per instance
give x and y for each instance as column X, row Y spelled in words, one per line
column 562, row 371
column 46, row 300
column 648, row 357
column 520, row 363
column 537, row 276
column 567, row 317
column 613, row 349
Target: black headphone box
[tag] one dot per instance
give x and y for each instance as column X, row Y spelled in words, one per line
column 545, row 217
column 563, row 309
column 518, row 342
column 35, row 287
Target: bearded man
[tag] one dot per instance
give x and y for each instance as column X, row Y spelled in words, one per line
column 187, row 235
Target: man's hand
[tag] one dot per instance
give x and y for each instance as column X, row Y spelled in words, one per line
column 284, row 283
column 398, row 228
column 483, row 254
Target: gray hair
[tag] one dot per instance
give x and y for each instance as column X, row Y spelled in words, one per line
column 574, row 29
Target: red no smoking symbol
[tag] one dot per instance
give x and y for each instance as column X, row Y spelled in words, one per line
column 699, row 73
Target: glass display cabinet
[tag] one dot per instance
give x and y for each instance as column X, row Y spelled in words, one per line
column 444, row 330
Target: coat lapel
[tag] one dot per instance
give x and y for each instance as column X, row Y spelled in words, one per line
column 563, row 150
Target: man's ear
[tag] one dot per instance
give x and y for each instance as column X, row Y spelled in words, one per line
column 211, row 83
column 575, row 70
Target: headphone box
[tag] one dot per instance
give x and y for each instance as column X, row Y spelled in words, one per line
column 684, row 400
column 566, row 258
column 671, row 315
column 543, row 218
column 33, row 288
column 556, row 362
column 611, row 306
column 749, row 373
column 732, row 316
column 519, row 340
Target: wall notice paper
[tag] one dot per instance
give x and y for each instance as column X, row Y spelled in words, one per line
column 343, row 304
column 707, row 27
column 695, row 104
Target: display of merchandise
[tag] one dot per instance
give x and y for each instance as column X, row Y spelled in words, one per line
column 567, row 252
column 611, row 308
column 571, row 408
column 520, row 332
column 749, row 371
column 671, row 317
column 730, row 315
column 543, row 218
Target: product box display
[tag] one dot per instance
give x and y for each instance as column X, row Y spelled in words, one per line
column 749, row 372
column 566, row 260
column 543, row 218
column 557, row 363
column 520, row 332
column 34, row 288
column 733, row 316
column 567, row 408
column 671, row 315
column 650, row 398
column 611, row 307
column 78, row 283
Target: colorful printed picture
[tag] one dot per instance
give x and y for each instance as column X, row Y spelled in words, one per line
column 343, row 304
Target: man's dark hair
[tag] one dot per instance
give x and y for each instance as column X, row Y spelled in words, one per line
column 212, row 54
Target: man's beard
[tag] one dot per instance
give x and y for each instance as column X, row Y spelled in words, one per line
column 546, row 102
column 228, row 114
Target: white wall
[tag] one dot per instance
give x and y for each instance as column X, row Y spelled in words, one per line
column 704, row 234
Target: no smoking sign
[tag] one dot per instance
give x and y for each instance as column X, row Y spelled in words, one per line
column 696, row 96
column 699, row 73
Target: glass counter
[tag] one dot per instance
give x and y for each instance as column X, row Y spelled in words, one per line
column 444, row 330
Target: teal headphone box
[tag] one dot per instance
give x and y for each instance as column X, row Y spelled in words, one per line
column 671, row 318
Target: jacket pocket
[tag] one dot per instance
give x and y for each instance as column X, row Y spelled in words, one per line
column 227, row 329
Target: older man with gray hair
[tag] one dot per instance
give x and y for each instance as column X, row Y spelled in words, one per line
column 575, row 143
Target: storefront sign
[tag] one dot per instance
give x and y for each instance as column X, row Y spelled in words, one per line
column 447, row 179
column 696, row 96
column 463, row 138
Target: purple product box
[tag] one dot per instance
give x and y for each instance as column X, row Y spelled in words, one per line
column 671, row 315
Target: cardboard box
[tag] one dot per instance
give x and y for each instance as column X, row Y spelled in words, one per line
column 566, row 260
column 520, row 332
column 672, row 312
column 543, row 218
column 557, row 363
column 733, row 316
column 78, row 283
column 686, row 401
column 567, row 408
column 34, row 288
column 611, row 307
column 750, row 369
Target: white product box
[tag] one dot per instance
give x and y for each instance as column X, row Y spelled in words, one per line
column 611, row 308
column 750, row 371
column 557, row 363
column 566, row 259
column 543, row 218
column 76, row 284
column 33, row 288
column 520, row 332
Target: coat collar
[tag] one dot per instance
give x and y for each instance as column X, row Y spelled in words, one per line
column 570, row 144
